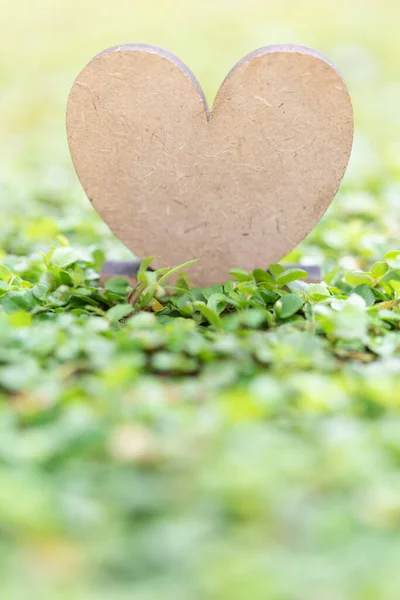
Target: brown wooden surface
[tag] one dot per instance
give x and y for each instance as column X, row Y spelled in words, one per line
column 238, row 186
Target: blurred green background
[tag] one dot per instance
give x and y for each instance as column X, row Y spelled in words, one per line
column 114, row 485
column 44, row 45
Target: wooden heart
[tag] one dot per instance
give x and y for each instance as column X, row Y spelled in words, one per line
column 237, row 187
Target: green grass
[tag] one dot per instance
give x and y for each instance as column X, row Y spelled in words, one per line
column 244, row 441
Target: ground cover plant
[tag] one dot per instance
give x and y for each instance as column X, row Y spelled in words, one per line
column 239, row 441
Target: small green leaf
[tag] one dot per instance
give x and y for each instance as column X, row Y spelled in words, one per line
column 365, row 291
column 288, row 305
column 392, row 255
column 98, row 259
column 262, row 276
column 144, row 265
column 63, row 257
column 212, row 317
column 395, row 285
column 357, row 277
column 389, row 277
column 379, row 269
column 65, row 278
column 213, row 289
column 118, row 312
column 318, row 292
column 175, row 270
column 5, row 274
column 267, row 295
column 276, row 270
column 40, row 291
column 290, row 275
column 117, row 285
column 218, row 302
column 241, row 275
column 17, row 301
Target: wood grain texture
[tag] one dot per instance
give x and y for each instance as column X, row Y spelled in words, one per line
column 238, row 186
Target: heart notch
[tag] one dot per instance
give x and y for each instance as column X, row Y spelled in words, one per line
column 238, row 186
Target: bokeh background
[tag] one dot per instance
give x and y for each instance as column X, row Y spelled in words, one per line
column 200, row 505
column 44, row 45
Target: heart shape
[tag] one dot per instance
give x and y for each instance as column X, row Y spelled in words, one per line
column 239, row 187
